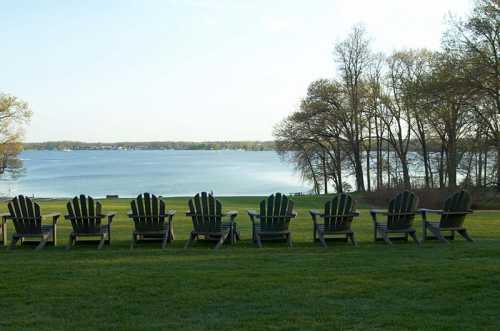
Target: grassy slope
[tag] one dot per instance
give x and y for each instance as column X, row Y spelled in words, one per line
column 306, row 287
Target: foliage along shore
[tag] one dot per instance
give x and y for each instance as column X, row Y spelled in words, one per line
column 153, row 145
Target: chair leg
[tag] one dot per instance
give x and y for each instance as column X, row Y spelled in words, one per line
column 165, row 240
column 386, row 238
column 43, row 242
column 70, row 242
column 464, row 234
column 437, row 233
column 414, row 236
column 424, row 230
column 353, row 239
column 289, row 239
column 221, row 240
column 321, row 236
column 192, row 238
column 375, row 231
column 132, row 243
column 170, row 235
column 13, row 243
column 101, row 243
column 259, row 242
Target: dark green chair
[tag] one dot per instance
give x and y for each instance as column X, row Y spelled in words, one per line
column 272, row 221
column 207, row 216
column 452, row 216
column 27, row 219
column 399, row 219
column 152, row 222
column 85, row 215
column 337, row 217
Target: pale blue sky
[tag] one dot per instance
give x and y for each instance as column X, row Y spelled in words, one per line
column 187, row 70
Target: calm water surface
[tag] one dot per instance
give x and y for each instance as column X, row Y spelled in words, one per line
column 168, row 173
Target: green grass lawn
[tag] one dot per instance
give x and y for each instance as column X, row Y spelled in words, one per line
column 372, row 286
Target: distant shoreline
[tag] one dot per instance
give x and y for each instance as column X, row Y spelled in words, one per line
column 152, row 145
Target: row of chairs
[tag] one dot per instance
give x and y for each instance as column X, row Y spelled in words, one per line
column 154, row 222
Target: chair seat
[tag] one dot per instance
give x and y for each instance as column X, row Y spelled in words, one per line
column 384, row 227
column 103, row 229
column 331, row 229
column 224, row 227
column 437, row 224
column 45, row 229
column 258, row 228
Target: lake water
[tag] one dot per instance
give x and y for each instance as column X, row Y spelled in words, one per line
column 167, row 173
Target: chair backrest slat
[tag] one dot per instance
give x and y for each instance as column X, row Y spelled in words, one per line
column 338, row 214
column 85, row 214
column 148, row 213
column 25, row 214
column 206, row 213
column 402, row 211
column 455, row 203
column 275, row 213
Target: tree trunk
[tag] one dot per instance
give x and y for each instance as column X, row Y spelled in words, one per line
column 451, row 164
column 497, row 166
column 358, row 168
column 369, row 148
column 479, row 169
column 325, row 173
column 441, row 168
column 338, row 158
column 406, row 173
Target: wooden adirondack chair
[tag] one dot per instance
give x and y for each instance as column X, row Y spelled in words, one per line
column 86, row 217
column 3, row 228
column 400, row 216
column 271, row 223
column 206, row 213
column 455, row 209
column 27, row 219
column 151, row 219
column 337, row 217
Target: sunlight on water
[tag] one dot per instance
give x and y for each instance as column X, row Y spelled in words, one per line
column 168, row 173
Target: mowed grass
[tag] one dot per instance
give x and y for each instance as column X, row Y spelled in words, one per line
column 372, row 286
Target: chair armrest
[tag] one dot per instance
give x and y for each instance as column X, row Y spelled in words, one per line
column 315, row 212
column 253, row 216
column 252, row 213
column 170, row 212
column 232, row 214
column 374, row 212
column 378, row 211
column 110, row 216
column 457, row 212
column 430, row 211
column 54, row 216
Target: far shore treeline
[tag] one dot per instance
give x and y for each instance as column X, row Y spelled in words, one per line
column 366, row 120
column 153, row 145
